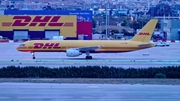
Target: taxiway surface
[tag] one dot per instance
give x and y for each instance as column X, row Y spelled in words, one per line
column 87, row 92
column 9, row 54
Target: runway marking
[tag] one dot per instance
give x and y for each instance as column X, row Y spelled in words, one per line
column 46, row 97
column 58, row 61
column 8, row 51
column 93, row 86
column 87, row 62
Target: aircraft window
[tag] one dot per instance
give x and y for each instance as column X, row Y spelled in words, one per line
column 22, row 45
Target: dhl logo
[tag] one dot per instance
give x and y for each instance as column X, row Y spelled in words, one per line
column 47, row 46
column 42, row 21
column 143, row 33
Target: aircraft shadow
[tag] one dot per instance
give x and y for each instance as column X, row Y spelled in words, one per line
column 68, row 59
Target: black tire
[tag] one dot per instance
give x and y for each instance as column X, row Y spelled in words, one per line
column 88, row 57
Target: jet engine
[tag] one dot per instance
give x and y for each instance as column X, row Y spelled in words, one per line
column 73, row 52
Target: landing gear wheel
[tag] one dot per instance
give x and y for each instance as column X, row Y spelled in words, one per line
column 88, row 57
column 33, row 55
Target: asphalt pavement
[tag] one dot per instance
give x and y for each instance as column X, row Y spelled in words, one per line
column 87, row 92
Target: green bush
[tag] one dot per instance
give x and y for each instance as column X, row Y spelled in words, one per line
column 89, row 72
column 160, row 75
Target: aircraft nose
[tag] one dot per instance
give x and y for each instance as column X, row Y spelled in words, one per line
column 21, row 47
column 18, row 48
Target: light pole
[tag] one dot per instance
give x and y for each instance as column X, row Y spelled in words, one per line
column 107, row 18
column 101, row 26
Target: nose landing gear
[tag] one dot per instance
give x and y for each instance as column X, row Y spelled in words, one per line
column 33, row 55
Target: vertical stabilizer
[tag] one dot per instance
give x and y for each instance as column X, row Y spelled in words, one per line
column 145, row 34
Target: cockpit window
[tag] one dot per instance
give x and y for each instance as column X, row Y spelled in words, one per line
column 22, row 45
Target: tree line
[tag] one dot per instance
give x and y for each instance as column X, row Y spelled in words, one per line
column 89, row 72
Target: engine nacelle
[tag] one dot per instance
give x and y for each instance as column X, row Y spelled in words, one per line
column 73, row 52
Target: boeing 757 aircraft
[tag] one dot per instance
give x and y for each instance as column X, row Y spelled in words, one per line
column 74, row 48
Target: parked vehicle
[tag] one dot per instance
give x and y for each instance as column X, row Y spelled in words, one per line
column 162, row 44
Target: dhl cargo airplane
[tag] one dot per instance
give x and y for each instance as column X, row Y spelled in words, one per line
column 74, row 48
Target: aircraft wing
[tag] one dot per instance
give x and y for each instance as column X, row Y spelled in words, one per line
column 85, row 49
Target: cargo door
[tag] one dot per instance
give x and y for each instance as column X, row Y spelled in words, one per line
column 50, row 34
column 20, row 35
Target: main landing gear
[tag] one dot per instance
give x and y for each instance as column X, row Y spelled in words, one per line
column 33, row 55
column 88, row 55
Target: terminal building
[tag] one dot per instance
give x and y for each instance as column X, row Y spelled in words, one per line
column 75, row 23
column 172, row 28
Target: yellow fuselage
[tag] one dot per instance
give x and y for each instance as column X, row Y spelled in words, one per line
column 107, row 46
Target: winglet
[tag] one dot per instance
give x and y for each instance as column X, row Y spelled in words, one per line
column 145, row 34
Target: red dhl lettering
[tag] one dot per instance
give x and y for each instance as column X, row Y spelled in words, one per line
column 46, row 45
column 143, row 33
column 38, row 20
column 24, row 21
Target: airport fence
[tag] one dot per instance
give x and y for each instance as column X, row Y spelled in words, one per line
column 89, row 72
